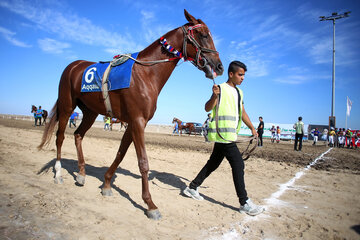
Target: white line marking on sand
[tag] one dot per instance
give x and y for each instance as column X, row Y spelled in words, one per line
column 273, row 200
column 283, row 187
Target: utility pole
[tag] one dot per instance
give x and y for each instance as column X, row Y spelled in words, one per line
column 333, row 17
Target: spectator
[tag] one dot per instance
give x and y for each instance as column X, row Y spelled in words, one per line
column 176, row 128
column 348, row 138
column 273, row 133
column 73, row 118
column 331, row 137
column 205, row 127
column 341, row 139
column 107, row 123
column 39, row 113
column 278, row 134
column 316, row 133
column 299, row 134
column 260, row 131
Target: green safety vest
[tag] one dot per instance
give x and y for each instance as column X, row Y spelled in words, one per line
column 228, row 126
column 298, row 127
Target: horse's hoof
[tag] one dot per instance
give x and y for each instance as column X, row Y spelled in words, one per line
column 106, row 192
column 58, row 180
column 153, row 214
column 80, row 179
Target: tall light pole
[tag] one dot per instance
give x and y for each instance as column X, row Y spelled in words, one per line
column 334, row 17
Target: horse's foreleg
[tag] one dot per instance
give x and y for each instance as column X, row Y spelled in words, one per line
column 125, row 143
column 139, row 141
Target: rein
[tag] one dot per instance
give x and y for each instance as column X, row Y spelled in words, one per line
column 247, row 152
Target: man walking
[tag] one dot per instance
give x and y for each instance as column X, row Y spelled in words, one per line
column 230, row 113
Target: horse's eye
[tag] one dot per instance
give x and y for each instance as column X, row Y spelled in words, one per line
column 202, row 35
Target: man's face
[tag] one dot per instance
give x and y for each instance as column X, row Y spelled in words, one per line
column 237, row 77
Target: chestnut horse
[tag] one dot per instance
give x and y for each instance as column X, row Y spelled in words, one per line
column 44, row 115
column 182, row 125
column 115, row 120
column 135, row 105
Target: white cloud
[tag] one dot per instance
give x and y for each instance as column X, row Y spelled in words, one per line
column 70, row 27
column 147, row 15
column 293, row 80
column 9, row 36
column 252, row 57
column 152, row 31
column 52, row 46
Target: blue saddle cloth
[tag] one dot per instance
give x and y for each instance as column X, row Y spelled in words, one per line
column 119, row 77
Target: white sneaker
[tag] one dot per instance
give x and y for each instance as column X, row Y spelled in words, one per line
column 251, row 209
column 193, row 193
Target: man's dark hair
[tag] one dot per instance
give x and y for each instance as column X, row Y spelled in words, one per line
column 235, row 65
column 300, row 118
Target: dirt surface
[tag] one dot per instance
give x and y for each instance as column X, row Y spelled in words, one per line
column 340, row 159
column 323, row 204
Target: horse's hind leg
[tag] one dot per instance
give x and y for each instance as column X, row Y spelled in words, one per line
column 59, row 141
column 88, row 120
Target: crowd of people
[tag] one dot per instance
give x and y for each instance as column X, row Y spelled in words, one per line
column 339, row 137
column 336, row 137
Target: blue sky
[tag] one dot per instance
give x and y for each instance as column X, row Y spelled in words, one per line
column 287, row 49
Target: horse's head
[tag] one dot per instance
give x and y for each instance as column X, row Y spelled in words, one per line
column 33, row 108
column 199, row 45
column 174, row 120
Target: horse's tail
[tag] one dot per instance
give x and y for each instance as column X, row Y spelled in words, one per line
column 49, row 128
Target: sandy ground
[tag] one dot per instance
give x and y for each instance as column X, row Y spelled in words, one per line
column 318, row 202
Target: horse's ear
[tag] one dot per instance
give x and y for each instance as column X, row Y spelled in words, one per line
column 189, row 17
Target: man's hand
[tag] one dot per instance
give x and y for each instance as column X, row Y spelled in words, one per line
column 216, row 90
column 213, row 99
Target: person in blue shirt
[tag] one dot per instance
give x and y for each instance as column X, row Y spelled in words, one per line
column 73, row 118
column 316, row 136
column 176, row 128
column 38, row 116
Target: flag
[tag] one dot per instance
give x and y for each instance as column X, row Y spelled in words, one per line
column 348, row 106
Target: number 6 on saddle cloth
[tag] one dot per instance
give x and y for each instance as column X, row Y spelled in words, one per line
column 118, row 78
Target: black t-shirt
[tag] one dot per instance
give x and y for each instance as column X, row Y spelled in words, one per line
column 261, row 126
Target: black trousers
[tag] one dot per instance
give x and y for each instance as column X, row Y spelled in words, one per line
column 72, row 121
column 298, row 138
column 260, row 133
column 36, row 120
column 233, row 155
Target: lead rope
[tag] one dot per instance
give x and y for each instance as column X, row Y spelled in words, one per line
column 247, row 152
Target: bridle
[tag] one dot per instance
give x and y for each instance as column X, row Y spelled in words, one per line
column 188, row 38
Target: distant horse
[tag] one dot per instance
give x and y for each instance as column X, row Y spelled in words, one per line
column 44, row 115
column 135, row 105
column 182, row 125
column 115, row 120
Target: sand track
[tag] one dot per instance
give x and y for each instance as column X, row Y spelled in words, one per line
column 322, row 204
